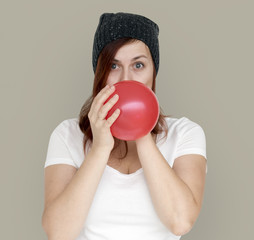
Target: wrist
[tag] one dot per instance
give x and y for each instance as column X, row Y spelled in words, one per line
column 143, row 140
column 100, row 152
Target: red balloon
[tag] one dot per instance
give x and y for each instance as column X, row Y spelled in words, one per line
column 139, row 110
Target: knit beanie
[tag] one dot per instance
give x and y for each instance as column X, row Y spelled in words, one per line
column 119, row 25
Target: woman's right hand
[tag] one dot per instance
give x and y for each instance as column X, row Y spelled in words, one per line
column 102, row 137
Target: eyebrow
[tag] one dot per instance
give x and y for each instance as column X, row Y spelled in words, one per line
column 133, row 59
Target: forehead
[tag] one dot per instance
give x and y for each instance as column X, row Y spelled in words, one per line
column 133, row 48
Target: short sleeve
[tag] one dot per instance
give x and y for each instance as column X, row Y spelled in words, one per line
column 192, row 141
column 58, row 152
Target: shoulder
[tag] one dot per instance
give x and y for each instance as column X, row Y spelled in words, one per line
column 180, row 129
column 67, row 127
column 181, row 125
column 69, row 131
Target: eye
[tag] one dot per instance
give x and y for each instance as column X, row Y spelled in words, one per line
column 139, row 65
column 113, row 66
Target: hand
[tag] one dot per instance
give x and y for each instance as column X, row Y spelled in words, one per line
column 102, row 137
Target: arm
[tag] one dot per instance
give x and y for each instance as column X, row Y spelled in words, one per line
column 176, row 192
column 70, row 192
column 67, row 198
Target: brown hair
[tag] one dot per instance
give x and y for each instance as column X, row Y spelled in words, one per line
column 100, row 79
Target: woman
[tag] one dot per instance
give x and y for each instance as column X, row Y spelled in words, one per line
column 100, row 187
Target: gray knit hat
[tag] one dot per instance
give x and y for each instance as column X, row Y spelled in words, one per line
column 119, row 25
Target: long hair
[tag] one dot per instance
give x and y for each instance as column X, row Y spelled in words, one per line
column 100, row 79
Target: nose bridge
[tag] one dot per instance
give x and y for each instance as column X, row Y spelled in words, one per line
column 126, row 74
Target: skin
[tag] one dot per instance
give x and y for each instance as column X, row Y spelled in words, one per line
column 132, row 61
column 176, row 192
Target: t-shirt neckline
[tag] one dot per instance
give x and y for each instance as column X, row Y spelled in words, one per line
column 140, row 170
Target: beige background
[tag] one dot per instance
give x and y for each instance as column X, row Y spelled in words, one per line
column 206, row 74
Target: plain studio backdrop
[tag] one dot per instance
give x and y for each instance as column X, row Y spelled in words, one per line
column 205, row 74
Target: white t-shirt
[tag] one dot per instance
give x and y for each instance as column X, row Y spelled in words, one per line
column 122, row 207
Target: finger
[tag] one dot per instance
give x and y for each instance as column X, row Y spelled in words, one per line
column 101, row 99
column 102, row 91
column 106, row 107
column 96, row 97
column 112, row 118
